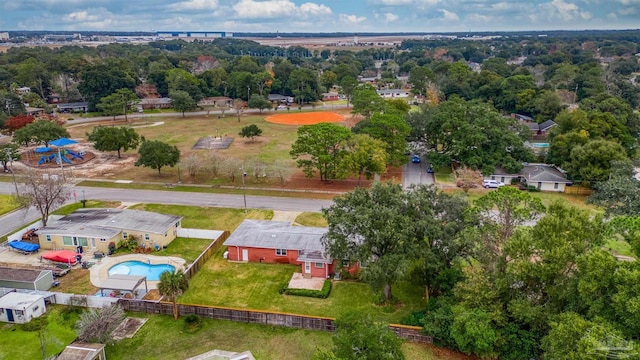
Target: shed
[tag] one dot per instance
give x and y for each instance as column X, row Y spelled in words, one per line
column 32, row 279
column 83, row 351
column 20, row 308
column 124, row 283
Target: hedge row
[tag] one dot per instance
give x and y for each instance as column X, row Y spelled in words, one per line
column 320, row 294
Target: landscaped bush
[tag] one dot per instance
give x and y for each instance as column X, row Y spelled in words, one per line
column 320, row 294
column 192, row 323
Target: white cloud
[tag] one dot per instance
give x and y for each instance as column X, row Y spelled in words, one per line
column 351, row 19
column 628, row 11
column 194, row 5
column 395, row 2
column 81, row 16
column 389, row 17
column 251, row 9
column 449, row 15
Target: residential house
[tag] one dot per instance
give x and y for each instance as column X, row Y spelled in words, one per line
column 540, row 131
column 33, row 111
column 20, row 308
column 155, row 103
column 280, row 99
column 280, row 242
column 217, row 101
column 22, row 278
column 543, row 176
column 96, row 228
column 393, row 93
column 23, row 90
column 73, row 107
column 330, row 96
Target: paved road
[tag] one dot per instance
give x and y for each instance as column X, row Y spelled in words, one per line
column 416, row 174
column 19, row 218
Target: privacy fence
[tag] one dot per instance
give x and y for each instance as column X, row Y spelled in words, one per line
column 410, row 333
column 190, row 271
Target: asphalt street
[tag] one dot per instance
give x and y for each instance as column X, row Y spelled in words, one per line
column 414, row 174
column 20, row 218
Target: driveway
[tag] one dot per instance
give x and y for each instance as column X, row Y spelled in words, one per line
column 414, row 174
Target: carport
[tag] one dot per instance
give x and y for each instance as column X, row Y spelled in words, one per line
column 123, row 283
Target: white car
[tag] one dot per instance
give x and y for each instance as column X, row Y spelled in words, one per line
column 492, row 184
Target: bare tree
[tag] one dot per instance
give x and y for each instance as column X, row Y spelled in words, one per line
column 222, row 107
column 96, row 325
column 213, row 163
column 192, row 163
column 256, row 168
column 239, row 105
column 467, row 178
column 231, row 168
column 44, row 191
column 281, row 170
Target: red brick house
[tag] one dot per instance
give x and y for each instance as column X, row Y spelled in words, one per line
column 280, row 242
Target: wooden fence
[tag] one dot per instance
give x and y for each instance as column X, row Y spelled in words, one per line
column 577, row 190
column 409, row 333
column 205, row 255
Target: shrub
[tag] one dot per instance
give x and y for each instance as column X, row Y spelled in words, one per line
column 533, row 188
column 35, row 324
column 192, row 323
column 319, row 294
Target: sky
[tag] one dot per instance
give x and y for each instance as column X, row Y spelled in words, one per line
column 357, row 16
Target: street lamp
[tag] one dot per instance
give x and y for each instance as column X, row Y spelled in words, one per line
column 248, row 90
column 244, row 191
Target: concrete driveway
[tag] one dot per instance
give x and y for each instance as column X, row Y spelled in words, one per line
column 414, row 174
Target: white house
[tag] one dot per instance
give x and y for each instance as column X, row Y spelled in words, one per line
column 20, row 308
column 393, row 93
column 543, row 176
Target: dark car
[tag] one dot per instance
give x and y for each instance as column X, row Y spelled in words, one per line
column 415, row 159
column 430, row 170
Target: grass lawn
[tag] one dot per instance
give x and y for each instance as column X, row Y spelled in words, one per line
column 15, row 343
column 256, row 285
column 311, row 219
column 211, row 218
column 619, row 247
column 188, row 249
column 6, row 204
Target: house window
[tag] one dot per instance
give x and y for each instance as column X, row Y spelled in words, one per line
column 19, row 312
column 178, row 224
column 35, row 308
column 281, row 252
column 165, row 234
column 67, row 240
column 124, row 235
column 1, row 311
column 49, row 238
column 502, row 179
column 103, row 240
column 539, row 185
column 555, row 185
column 493, row 177
column 146, row 237
column 319, row 265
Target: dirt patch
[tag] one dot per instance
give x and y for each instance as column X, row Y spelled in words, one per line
column 152, row 295
column 128, row 328
column 307, row 118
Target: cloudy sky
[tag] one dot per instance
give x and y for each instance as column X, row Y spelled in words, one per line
column 319, row 15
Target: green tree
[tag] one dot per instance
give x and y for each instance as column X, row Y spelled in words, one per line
column 366, row 101
column 348, row 85
column 365, row 156
column 592, row 161
column 358, row 337
column 620, row 194
column 250, row 131
column 39, row 132
column 182, row 101
column 383, row 242
column 172, row 285
column 474, row 332
column 181, row 80
column 328, row 79
column 8, row 154
column 420, row 78
column 259, row 102
column 156, row 154
column 305, row 85
column 320, row 147
column 109, row 138
column 118, row 103
column 392, row 130
column 104, row 78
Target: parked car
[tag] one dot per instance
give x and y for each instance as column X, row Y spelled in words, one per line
column 430, row 169
column 282, row 107
column 415, row 159
column 492, row 184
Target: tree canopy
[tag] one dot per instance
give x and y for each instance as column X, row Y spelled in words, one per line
column 109, row 138
column 39, row 132
column 157, row 154
column 320, row 147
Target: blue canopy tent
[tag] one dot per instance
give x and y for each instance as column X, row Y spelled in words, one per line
column 42, row 150
column 60, row 143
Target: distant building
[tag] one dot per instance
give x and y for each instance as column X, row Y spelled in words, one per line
column 330, row 96
column 4, row 36
column 193, row 34
column 155, row 103
column 23, row 90
column 73, row 107
column 393, row 93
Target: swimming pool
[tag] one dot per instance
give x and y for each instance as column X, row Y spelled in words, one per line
column 540, row 145
column 134, row 267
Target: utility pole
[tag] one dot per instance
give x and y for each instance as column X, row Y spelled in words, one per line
column 248, row 91
column 244, row 191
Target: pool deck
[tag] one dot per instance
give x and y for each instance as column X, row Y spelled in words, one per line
column 99, row 272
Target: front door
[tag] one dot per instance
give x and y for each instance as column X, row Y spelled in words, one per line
column 307, row 267
column 9, row 315
column 245, row 254
column 93, row 243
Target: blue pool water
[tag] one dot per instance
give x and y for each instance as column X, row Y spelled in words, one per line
column 133, row 267
column 540, row 145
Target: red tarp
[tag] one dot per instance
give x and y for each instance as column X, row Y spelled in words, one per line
column 63, row 256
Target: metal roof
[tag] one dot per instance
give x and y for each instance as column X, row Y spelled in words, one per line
column 18, row 301
column 107, row 223
column 81, row 351
column 277, row 235
column 123, row 282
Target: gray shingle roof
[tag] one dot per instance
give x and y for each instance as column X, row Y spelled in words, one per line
column 107, row 223
column 279, row 235
column 547, row 125
column 16, row 274
column 543, row 173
